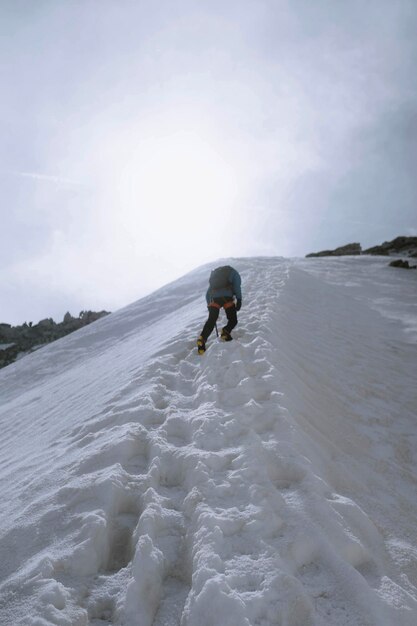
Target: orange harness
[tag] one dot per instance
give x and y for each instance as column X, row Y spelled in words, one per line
column 226, row 305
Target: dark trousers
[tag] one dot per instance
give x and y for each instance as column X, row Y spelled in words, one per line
column 214, row 310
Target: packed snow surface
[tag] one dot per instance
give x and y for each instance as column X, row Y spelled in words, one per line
column 271, row 481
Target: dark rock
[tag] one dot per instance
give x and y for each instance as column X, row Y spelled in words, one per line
column 322, row 253
column 28, row 337
column 406, row 246
column 349, row 249
column 8, row 353
column 404, row 264
column 68, row 318
column 399, row 245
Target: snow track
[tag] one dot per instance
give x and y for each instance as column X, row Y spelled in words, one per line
column 264, row 483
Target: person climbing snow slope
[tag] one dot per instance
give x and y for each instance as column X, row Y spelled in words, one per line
column 224, row 287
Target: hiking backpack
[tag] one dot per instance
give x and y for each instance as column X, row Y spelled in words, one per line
column 219, row 278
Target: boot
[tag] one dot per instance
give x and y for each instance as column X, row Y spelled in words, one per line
column 201, row 345
column 225, row 335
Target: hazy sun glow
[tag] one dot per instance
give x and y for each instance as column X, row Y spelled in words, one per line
column 178, row 188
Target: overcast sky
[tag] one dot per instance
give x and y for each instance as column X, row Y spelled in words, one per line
column 142, row 139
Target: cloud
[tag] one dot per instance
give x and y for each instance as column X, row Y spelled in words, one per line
column 301, row 138
column 58, row 180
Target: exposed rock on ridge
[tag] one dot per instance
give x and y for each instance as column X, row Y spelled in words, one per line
column 406, row 246
column 20, row 340
column 350, row 248
column 400, row 245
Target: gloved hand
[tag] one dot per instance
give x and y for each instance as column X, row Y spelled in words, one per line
column 238, row 305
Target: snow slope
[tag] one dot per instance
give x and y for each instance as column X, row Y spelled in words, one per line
column 270, row 482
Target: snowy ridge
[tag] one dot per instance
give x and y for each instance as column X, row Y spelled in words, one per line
column 271, row 481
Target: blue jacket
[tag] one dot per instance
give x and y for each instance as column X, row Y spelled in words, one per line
column 228, row 292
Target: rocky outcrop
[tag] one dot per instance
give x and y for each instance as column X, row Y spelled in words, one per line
column 406, row 246
column 349, row 249
column 8, row 353
column 403, row 264
column 19, row 340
